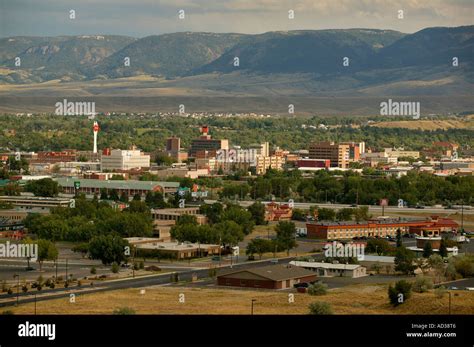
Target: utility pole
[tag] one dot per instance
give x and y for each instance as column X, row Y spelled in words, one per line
column 17, row 287
column 66, row 272
column 253, row 300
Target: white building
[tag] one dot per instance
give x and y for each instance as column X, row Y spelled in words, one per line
column 332, row 270
column 124, row 160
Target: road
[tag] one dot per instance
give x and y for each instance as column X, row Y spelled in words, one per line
column 145, row 281
column 372, row 208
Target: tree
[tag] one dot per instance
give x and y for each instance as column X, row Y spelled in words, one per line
column 230, row 233
column 108, row 248
column 399, row 238
column 257, row 210
column 443, row 249
column 361, row 213
column 326, row 214
column 427, row 250
column 259, row 246
column 212, row 212
column 103, row 194
column 404, row 260
column 422, row 284
column 320, row 308
column 317, row 289
column 399, row 293
column 113, row 195
column 379, row 246
column 344, row 214
column 239, row 216
column 45, row 187
column 124, row 197
column 298, row 214
column 187, row 219
column 46, row 251
column 285, row 235
column 436, row 262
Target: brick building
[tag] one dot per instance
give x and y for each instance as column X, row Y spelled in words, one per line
column 267, row 277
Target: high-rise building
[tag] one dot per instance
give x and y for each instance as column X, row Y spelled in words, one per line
column 118, row 159
column 338, row 154
column 206, row 143
column 173, row 144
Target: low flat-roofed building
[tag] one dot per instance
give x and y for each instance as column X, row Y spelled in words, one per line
column 332, row 270
column 35, row 202
column 265, row 277
column 130, row 187
column 147, row 246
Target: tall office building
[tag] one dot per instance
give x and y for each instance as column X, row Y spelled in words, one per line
column 206, row 143
column 338, row 154
column 173, row 144
column 118, row 159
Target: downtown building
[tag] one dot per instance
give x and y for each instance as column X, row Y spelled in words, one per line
column 433, row 226
column 339, row 154
column 117, row 159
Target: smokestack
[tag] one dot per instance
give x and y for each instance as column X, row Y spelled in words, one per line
column 95, row 129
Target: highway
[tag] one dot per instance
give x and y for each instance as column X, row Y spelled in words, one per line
column 372, row 208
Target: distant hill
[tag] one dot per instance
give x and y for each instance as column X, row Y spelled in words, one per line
column 301, row 62
column 167, row 55
column 63, row 57
column 319, row 51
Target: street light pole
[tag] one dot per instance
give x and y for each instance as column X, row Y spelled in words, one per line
column 35, row 304
column 449, row 302
column 253, row 300
column 17, row 287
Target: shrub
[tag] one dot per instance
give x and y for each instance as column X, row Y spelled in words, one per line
column 52, row 285
column 440, row 292
column 142, row 265
column 320, row 308
column 317, row 289
column 124, row 311
column 115, row 268
column 135, row 266
column 422, row 284
column 39, row 287
column 24, row 289
column 93, row 270
column 10, row 291
column 400, row 293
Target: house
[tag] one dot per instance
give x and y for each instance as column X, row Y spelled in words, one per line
column 332, row 270
column 267, row 277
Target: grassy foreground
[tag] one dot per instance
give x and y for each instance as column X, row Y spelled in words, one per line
column 356, row 299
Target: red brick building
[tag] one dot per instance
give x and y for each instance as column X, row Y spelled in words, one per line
column 381, row 228
column 268, row 277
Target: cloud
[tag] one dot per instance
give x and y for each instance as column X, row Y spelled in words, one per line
column 146, row 17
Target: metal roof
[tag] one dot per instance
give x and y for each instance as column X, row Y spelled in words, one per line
column 114, row 184
column 272, row 272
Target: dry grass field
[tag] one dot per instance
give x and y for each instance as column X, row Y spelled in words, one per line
column 357, row 299
column 429, row 124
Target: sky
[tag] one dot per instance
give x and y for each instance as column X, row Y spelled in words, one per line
column 139, row 18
